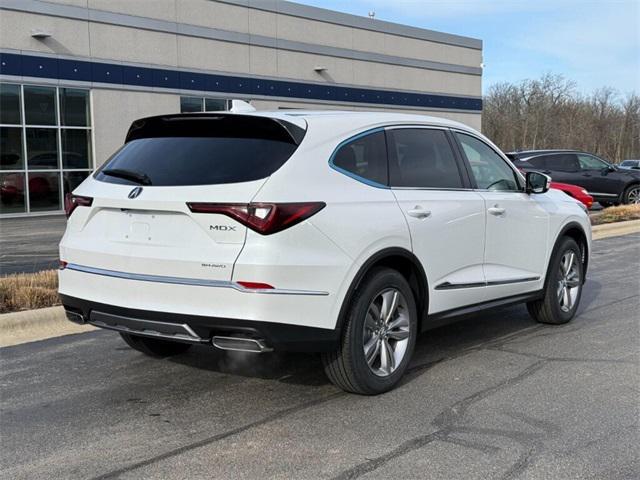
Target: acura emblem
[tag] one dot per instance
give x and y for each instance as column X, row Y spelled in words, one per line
column 135, row 192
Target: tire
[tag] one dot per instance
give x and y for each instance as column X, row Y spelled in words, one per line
column 155, row 347
column 389, row 342
column 562, row 291
column 631, row 194
column 606, row 204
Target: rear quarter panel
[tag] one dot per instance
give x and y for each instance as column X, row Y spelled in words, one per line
column 358, row 221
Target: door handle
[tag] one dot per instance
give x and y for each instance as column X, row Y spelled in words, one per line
column 418, row 212
column 497, row 211
column 586, row 174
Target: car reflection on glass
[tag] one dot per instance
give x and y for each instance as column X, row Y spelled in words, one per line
column 50, row 160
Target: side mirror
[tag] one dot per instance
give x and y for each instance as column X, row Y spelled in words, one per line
column 537, row 182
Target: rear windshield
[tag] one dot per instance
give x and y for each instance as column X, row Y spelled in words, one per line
column 199, row 151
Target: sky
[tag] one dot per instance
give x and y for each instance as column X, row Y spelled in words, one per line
column 595, row 43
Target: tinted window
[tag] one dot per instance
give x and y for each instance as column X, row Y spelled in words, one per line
column 42, row 148
column 215, row 105
column 11, row 148
column 9, row 103
column 565, row 162
column 12, row 193
column 177, row 150
column 190, row 104
column 587, row 162
column 44, row 191
column 489, row 169
column 422, row 158
column 365, row 157
column 74, row 107
column 40, row 105
column 76, row 148
column 538, row 162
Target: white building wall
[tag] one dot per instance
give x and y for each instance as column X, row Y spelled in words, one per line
column 115, row 110
column 275, row 40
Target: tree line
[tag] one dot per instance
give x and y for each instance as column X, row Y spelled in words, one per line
column 549, row 113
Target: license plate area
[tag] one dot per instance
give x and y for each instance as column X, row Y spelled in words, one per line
column 154, row 228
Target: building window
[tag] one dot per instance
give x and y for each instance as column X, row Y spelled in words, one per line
column 200, row 104
column 45, row 146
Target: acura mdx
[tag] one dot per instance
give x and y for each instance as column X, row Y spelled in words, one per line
column 344, row 233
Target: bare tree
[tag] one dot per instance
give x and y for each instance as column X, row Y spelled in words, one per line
column 549, row 113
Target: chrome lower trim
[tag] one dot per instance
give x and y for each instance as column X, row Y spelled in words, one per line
column 454, row 286
column 189, row 281
column 239, row 344
column 517, row 280
column 599, row 194
column 146, row 328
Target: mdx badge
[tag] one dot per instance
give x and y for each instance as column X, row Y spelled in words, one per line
column 222, row 228
column 135, row 192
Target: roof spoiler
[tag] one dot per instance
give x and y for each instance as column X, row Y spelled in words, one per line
column 216, row 124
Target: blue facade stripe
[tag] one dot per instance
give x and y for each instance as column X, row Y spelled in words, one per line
column 80, row 70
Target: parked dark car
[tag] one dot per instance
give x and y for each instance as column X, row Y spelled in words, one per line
column 606, row 183
column 630, row 164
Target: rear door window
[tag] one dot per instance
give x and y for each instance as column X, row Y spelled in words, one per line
column 538, row 162
column 565, row 162
column 364, row 157
column 422, row 158
column 180, row 151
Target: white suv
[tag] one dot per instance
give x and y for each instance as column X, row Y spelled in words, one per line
column 345, row 233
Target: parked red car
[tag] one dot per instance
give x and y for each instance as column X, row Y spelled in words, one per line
column 574, row 191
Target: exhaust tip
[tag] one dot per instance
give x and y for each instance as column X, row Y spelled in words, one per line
column 241, row 344
column 75, row 317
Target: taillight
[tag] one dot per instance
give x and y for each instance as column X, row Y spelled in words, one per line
column 71, row 202
column 62, row 264
column 264, row 218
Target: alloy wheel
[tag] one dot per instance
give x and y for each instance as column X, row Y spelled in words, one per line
column 568, row 281
column 386, row 332
column 633, row 196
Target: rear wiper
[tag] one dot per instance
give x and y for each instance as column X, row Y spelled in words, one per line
column 137, row 177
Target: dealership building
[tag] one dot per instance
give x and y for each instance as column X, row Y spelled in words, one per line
column 74, row 74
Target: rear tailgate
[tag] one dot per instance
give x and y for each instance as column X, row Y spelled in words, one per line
column 170, row 161
column 156, row 233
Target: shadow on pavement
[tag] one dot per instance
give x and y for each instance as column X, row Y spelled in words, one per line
column 306, row 369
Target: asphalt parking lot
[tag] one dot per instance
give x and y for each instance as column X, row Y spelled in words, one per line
column 493, row 396
column 30, row 244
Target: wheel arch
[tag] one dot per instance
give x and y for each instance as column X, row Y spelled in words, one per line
column 573, row 230
column 405, row 262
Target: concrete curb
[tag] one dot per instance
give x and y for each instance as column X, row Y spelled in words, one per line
column 615, row 229
column 40, row 324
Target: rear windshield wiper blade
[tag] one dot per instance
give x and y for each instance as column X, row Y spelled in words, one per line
column 137, row 177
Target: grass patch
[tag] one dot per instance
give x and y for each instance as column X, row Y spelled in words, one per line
column 620, row 213
column 26, row 291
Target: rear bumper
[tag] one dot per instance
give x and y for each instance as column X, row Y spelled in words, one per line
column 210, row 300
column 198, row 328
